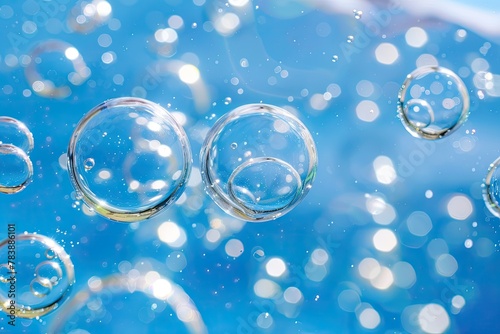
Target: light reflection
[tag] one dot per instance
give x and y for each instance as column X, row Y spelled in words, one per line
column 275, row 267
column 384, row 170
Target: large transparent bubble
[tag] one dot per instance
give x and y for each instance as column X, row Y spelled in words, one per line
column 491, row 188
column 433, row 102
column 38, row 278
column 15, row 132
column 130, row 304
column 128, row 158
column 258, row 162
column 16, row 169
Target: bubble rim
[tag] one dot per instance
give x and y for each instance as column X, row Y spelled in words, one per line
column 488, row 199
column 121, row 283
column 219, row 196
column 109, row 211
column 32, row 75
column 26, row 312
column 11, row 149
column 462, row 88
column 24, row 129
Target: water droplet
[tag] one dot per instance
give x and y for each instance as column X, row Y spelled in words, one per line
column 267, row 177
column 144, row 157
column 433, row 102
column 88, row 164
column 357, row 14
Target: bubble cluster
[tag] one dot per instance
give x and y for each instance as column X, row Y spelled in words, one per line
column 433, row 102
column 55, row 66
column 128, row 159
column 258, row 162
column 42, row 272
column 491, row 188
column 86, row 16
column 132, row 303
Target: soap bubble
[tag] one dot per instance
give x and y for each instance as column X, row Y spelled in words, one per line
column 129, row 304
column 433, row 102
column 16, row 133
column 258, row 162
column 491, row 188
column 16, row 169
column 128, row 158
column 41, row 285
column 55, row 66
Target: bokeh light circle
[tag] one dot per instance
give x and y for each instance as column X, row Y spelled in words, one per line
column 128, row 158
column 42, row 283
column 258, row 162
column 433, row 102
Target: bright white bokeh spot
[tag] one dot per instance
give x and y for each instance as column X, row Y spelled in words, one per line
column 234, row 248
column 384, row 169
column 446, row 265
column 386, row 53
column 275, row 267
column 238, row 3
column 384, row 240
column 71, row 53
column 426, row 60
column 433, row 319
column 460, row 207
column 458, row 302
column 383, row 280
column 369, row 268
column 416, row 37
column 189, row 74
column 367, row 111
column 369, row 318
column 171, row 234
column 162, row 289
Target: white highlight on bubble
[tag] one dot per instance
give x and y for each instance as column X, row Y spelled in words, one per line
column 384, row 240
column 275, row 267
column 189, row 74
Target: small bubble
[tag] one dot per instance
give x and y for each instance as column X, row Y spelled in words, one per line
column 234, row 146
column 50, row 254
column 357, row 14
column 40, row 287
column 335, row 58
column 491, row 188
column 227, row 100
column 350, row 39
column 88, row 164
